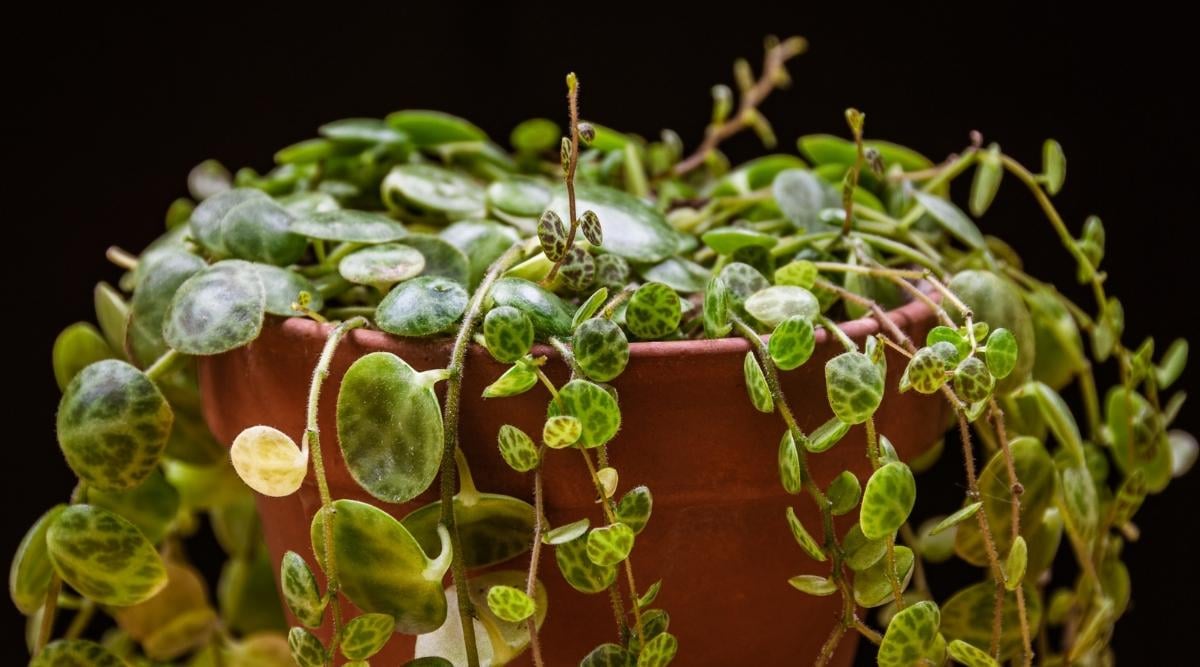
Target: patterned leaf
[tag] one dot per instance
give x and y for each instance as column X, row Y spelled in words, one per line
column 813, row 584
column 216, row 310
column 926, row 372
column 551, row 316
column 382, row 266
column 578, row 270
column 494, row 527
column 969, row 655
column 1036, row 472
column 299, row 588
column 561, row 431
column 579, row 571
column 806, row 541
column 113, row 425
column 862, row 553
column 365, row 635
column 161, row 273
column 566, row 532
column 967, row 616
column 510, row 604
column 206, row 224
column 1014, row 565
column 789, row 463
column 716, row 309
column 1001, row 353
column 258, row 230
column 508, row 333
column 792, row 342
column 269, row 461
column 518, row 379
column 75, row 653
column 610, row 545
column 607, row 655
column 635, row 507
column 518, row 449
column 601, row 349
column 756, row 384
column 872, row 588
column 854, row 386
column 653, row 311
column 422, row 306
column 910, row 635
column 594, row 407
column 777, row 303
column 826, row 435
column 307, row 650
column 552, row 235
column 612, row 271
column 843, row 493
column 888, row 500
column 659, row 651
column 29, row 577
column 104, row 557
column 152, row 506
column 972, row 381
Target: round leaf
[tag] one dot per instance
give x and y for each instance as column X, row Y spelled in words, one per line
column 113, row 425
column 429, row 128
column 634, row 508
column 658, row 652
column 422, row 307
column 307, row 650
column 800, row 195
column 75, row 653
column 873, row 588
column 561, row 431
column 494, row 527
column 365, row 635
column 258, row 230
column 854, row 386
column 206, row 223
column 1036, row 472
column 609, row 545
column 926, row 372
column 482, row 241
column 152, row 506
column 633, row 229
column 910, row 635
column 594, row 407
column 389, row 425
column 77, row 347
column 551, row 316
column 862, row 553
column 508, row 333
column 844, row 493
column 432, row 191
column 888, row 500
column 269, row 461
column 164, row 272
column 961, row 616
column 777, row 303
column 349, row 226
column 601, row 349
column 29, row 576
column 972, row 381
column 283, row 288
column 1001, row 353
column 519, row 195
column 653, row 311
column 579, row 571
column 104, row 557
column 679, row 274
column 510, row 604
column 578, row 270
column 382, row 266
column 216, row 310
column 792, row 342
column 517, row 449
column 442, row 258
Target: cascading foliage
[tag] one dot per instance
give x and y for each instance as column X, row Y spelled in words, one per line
column 419, row 225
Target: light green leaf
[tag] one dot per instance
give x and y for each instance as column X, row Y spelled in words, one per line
column 756, row 384
column 77, row 347
column 1001, row 352
column 910, row 635
column 727, row 240
column 862, row 553
column 29, row 576
column 716, row 309
column 844, row 493
column 518, row 449
column 508, row 333
column 75, row 653
column 518, row 379
column 432, row 191
column 956, row 518
column 972, row 381
column 578, row 569
column 826, row 435
column 634, row 508
column 300, row 592
column 510, row 604
column 366, row 635
column 1036, row 472
column 1054, row 166
column 961, row 616
column 593, row 406
column 653, row 311
column 854, row 386
column 216, row 310
column 566, row 532
column 307, row 650
column 872, row 588
column 926, row 372
column 104, row 557
column 806, row 541
column 813, row 584
column 551, row 316
column 773, row 305
column 1014, row 564
column 658, row 652
column 679, row 274
column 969, row 655
column 951, row 218
column 792, row 342
column 888, row 500
column 610, row 545
column 633, row 229
column 1057, row 415
column 601, row 349
column 349, row 226
column 561, row 431
column 789, row 463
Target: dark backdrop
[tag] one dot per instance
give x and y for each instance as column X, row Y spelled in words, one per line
column 112, row 110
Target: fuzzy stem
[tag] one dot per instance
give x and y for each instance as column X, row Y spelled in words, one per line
column 450, row 413
column 606, row 504
column 312, row 444
column 569, row 177
column 535, row 552
column 1016, row 490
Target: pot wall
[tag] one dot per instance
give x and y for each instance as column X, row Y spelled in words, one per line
column 717, row 537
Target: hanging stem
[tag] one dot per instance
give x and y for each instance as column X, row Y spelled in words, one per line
column 312, row 443
column 531, row 582
column 458, row 356
column 1016, row 490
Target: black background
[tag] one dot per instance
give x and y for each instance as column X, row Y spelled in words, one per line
column 112, row 110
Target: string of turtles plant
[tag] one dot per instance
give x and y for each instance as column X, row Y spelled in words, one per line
column 420, row 226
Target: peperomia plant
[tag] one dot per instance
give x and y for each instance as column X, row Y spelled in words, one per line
column 420, row 226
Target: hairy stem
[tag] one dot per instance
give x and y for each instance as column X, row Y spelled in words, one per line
column 535, row 552
column 1015, row 490
column 611, row 515
column 569, row 176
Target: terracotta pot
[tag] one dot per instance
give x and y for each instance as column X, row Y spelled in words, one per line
column 717, row 538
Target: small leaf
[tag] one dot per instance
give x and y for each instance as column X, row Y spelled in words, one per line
column 945, row 334
column 773, row 305
column 382, row 266
column 792, row 343
column 104, row 557
column 854, row 386
column 432, row 191
column 862, row 553
column 844, row 493
column 961, row 614
column 601, row 349
column 789, row 463
column 29, row 576
column 269, row 461
column 649, row 596
column 307, row 650
column 813, row 585
column 1054, row 166
column 216, row 310
column 1014, row 565
column 610, row 545
column 561, row 431
column 951, row 218
column 926, row 372
column 348, row 226
column 608, row 479
column 589, row 223
column 653, row 311
column 518, row 449
column 612, row 271
column 888, row 500
column 826, row 435
column 112, row 314
column 551, row 316
column 658, row 652
column 756, row 384
column 972, row 381
column 578, row 569
column 552, row 235
column 75, row 653
column 508, row 333
column 727, row 240
column 300, row 591
column 970, row 656
column 366, row 635
column 566, row 532
column 578, row 271
column 1001, row 353
column 422, row 306
column 634, row 508
column 956, row 518
column 873, row 588
column 510, row 604
column 806, row 541
column 1057, row 415
column 77, row 347
column 716, row 309
column 594, row 407
column 911, row 633
column 679, row 274
column 1173, row 361
column 589, row 308
column 801, row 273
column 258, row 230
column 1184, row 451
column 989, row 171
column 607, row 655
column 518, row 379
column 800, row 195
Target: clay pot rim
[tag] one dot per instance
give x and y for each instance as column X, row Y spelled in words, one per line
column 857, row 329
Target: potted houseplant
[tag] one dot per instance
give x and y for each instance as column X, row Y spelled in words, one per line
column 463, row 381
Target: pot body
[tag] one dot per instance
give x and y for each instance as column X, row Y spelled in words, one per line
column 717, row 537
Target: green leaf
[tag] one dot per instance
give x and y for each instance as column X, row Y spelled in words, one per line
column 430, row 128
column 442, row 258
column 269, row 461
column 1036, row 472
column 610, row 545
column 854, row 386
column 1014, row 564
column 716, row 309
column 679, row 274
column 259, row 230
column 307, row 650
column 658, row 652
column 1001, row 353
column 589, row 308
column 551, row 316
column 601, row 349
column 972, row 381
column 727, row 240
column 77, row 347
column 1057, row 415
column 634, row 508
column 742, row 280
column 561, row 431
column 958, row 517
column 510, row 604
column 366, row 635
column 888, row 500
column 206, row 225
column 566, row 532
column 482, row 242
column 578, row 270
column 792, row 343
column 612, row 271
column 283, row 288
column 826, row 435
column 862, row 553
column 517, row 449
column 945, row 334
column 389, row 426
column 756, row 384
column 113, row 425
column 964, row 613
column 806, row 541
column 800, row 196
column 995, row 301
column 382, row 266
column 989, row 171
column 649, row 596
column 607, row 655
column 75, row 653
column 162, row 273
column 1137, row 439
column 152, row 506
column 653, row 311
column 494, row 527
column 432, row 191
column 29, row 576
column 112, row 314
column 552, row 235
column 216, row 310
column 1054, row 166
column 361, row 132
column 520, row 196
column 951, row 218
column 422, row 307
column 104, row 557
column 1173, row 361
column 789, row 463
column 382, row 568
column 593, row 406
column 773, row 305
column 536, row 135
column 299, row 588
column 349, row 226
column 633, row 229
column 844, row 493
column 800, row 273
column 910, row 635
column 813, row 585
column 578, row 569
column 926, row 372
column 518, row 379
column 969, row 655
column 872, row 588
column 508, row 333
